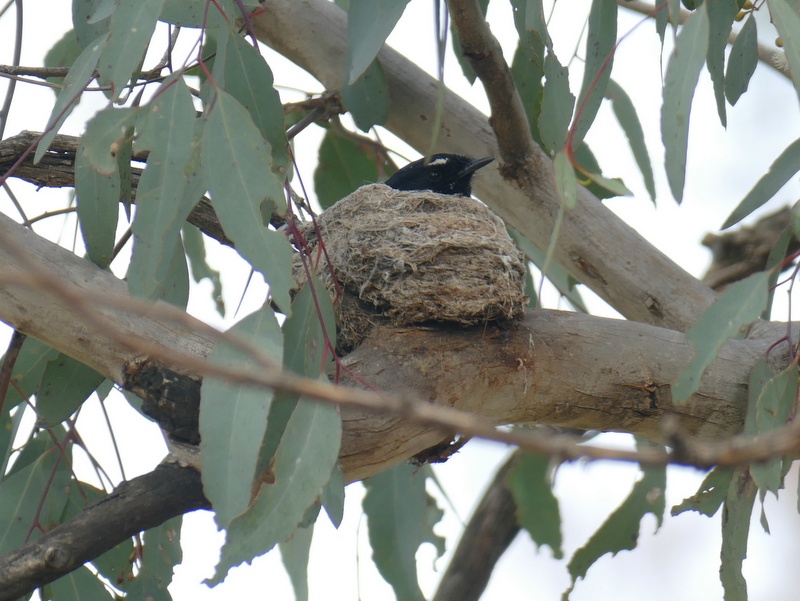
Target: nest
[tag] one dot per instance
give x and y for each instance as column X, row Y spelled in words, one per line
column 403, row 258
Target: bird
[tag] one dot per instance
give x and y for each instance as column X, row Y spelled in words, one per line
column 442, row 173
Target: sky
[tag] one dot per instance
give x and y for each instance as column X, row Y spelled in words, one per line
column 682, row 558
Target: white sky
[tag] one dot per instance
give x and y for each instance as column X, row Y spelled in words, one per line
column 681, row 561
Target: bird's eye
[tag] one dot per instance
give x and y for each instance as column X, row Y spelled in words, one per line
column 433, row 174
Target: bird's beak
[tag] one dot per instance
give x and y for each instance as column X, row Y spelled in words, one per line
column 474, row 165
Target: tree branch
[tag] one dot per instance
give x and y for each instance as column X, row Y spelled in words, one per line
column 135, row 505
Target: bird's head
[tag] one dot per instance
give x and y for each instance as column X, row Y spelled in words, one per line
column 443, row 174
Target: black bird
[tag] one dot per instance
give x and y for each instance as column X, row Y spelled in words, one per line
column 443, row 174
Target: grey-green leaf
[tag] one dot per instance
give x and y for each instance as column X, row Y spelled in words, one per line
column 786, row 19
column 740, row 304
column 537, row 507
column 720, row 19
column 600, row 40
column 303, row 462
column 709, row 497
column 780, row 172
column 566, row 184
column 79, row 76
column 66, row 384
column 236, row 163
column 742, row 61
column 369, row 23
column 233, row 417
column 401, row 516
column 735, row 530
column 98, row 208
column 294, row 553
column 162, row 552
column 367, row 98
column 625, row 112
column 683, row 72
column 132, row 27
column 557, row 104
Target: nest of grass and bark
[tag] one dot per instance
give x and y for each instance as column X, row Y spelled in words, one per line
column 410, row 258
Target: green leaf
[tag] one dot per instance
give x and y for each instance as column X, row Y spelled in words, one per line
column 620, row 532
column 98, row 198
column 401, row 516
column 79, row 76
column 305, row 351
column 233, row 417
column 166, row 129
column 87, row 27
column 709, row 497
column 294, row 553
column 613, row 186
column 80, row 585
column 777, row 254
column 785, row 16
column 35, row 490
column 367, row 98
column 194, row 246
column 176, row 279
column 742, row 61
column 333, row 496
column 28, row 369
column 104, row 135
column 537, row 507
column 780, row 172
column 344, row 165
column 186, row 13
column 600, row 40
column 162, row 552
column 237, row 168
column 625, row 112
column 735, row 530
column 527, row 69
column 303, row 462
column 773, row 409
column 132, row 26
column 566, row 184
column 738, row 306
column 248, row 78
column 369, row 23
column 63, row 53
column 683, row 72
column 720, row 19
column 66, row 384
column 557, row 104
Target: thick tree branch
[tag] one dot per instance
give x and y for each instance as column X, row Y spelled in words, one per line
column 595, row 246
column 135, row 505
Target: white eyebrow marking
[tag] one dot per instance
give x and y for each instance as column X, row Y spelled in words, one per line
column 439, row 161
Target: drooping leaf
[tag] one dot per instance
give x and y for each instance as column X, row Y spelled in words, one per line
column 294, row 553
column 367, row 98
column 66, row 384
column 79, row 76
column 103, row 137
column 527, row 69
column 780, row 172
column 709, row 497
column 344, row 164
column 162, row 552
column 305, row 332
column 166, row 129
column 333, row 496
column 786, row 18
column 233, row 417
column 63, row 53
column 537, row 507
column 625, row 112
column 773, row 410
column 600, row 40
column 557, row 104
column 31, row 493
column 735, row 531
column 683, row 72
column 401, row 516
column 186, row 13
column 738, row 306
column 84, row 19
column 248, row 78
column 620, row 532
column 742, row 61
column 195, row 249
column 98, row 208
column 28, row 369
column 131, row 28
column 303, row 462
column 720, row 19
column 369, row 23
column 236, row 163
column 80, row 585
column 566, row 184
